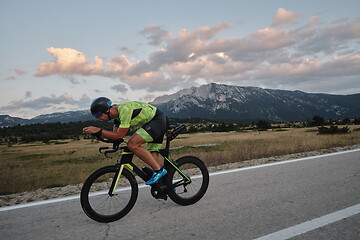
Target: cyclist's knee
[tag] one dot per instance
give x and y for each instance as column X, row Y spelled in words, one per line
column 131, row 145
column 135, row 142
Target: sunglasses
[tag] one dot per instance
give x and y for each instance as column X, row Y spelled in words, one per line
column 97, row 114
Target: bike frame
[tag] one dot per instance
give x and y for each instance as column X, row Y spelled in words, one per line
column 126, row 157
column 126, row 160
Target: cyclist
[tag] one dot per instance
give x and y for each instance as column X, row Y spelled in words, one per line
column 153, row 125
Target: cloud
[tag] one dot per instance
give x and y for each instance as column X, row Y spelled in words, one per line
column 341, row 66
column 28, row 94
column 148, row 98
column 10, row 78
column 284, row 16
column 314, row 20
column 270, row 38
column 52, row 102
column 349, row 30
column 272, row 54
column 19, row 71
column 154, row 34
column 69, row 61
column 120, row 88
column 328, row 40
column 126, row 50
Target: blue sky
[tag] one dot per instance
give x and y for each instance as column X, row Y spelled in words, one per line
column 59, row 55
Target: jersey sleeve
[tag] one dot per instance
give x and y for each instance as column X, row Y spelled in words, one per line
column 125, row 113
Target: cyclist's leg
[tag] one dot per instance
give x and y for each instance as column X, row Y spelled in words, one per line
column 153, row 132
column 156, row 157
column 135, row 145
column 154, row 147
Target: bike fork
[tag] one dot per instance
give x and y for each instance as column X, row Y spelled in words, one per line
column 116, row 179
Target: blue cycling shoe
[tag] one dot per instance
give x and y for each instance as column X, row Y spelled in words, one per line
column 157, row 175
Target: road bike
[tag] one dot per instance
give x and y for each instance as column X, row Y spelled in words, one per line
column 111, row 192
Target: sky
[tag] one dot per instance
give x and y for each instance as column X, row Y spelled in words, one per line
column 57, row 56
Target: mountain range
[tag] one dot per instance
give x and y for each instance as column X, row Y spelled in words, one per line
column 231, row 103
column 224, row 102
column 63, row 117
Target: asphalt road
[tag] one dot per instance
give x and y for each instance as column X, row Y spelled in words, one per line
column 246, row 204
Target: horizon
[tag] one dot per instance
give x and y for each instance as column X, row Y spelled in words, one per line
column 87, row 109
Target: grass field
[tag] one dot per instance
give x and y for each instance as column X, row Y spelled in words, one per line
column 27, row 167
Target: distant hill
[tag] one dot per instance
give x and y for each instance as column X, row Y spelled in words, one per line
column 7, row 121
column 224, row 102
column 72, row 116
column 230, row 103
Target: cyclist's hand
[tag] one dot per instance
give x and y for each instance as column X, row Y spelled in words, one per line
column 91, row 130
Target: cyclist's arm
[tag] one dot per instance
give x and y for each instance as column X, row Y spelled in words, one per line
column 120, row 129
column 117, row 133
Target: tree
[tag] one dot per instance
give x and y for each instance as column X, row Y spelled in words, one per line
column 333, row 130
column 318, row 120
column 262, row 125
column 346, row 121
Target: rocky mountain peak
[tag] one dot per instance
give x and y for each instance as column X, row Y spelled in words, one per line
column 219, row 101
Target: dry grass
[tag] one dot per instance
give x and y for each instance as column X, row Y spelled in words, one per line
column 28, row 167
column 33, row 166
column 237, row 147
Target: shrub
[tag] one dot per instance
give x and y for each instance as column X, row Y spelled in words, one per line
column 333, row 130
column 263, row 125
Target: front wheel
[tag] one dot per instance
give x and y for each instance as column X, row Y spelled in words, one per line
column 188, row 192
column 101, row 206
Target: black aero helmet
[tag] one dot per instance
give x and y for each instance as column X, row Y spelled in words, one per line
column 99, row 106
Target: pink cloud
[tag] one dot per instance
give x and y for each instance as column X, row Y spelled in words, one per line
column 155, row 34
column 140, row 74
column 347, row 30
column 273, row 38
column 314, row 20
column 284, row 16
column 10, row 78
column 311, row 69
column 48, row 102
column 268, row 53
column 18, row 71
column 69, row 61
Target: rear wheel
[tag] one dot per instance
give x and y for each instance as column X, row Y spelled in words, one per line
column 188, row 193
column 96, row 201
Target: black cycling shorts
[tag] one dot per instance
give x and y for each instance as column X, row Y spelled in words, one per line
column 157, row 127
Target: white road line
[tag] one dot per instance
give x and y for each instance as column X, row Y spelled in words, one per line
column 312, row 224
column 32, row 204
column 282, row 162
column 211, row 174
column 55, row 200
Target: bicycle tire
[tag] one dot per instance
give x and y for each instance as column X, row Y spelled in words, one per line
column 188, row 194
column 96, row 201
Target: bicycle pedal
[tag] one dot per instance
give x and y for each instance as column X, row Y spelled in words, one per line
column 159, row 191
column 162, row 196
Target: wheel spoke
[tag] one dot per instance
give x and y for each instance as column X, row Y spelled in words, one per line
column 191, row 192
column 97, row 202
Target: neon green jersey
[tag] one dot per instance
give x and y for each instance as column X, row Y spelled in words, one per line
column 135, row 114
